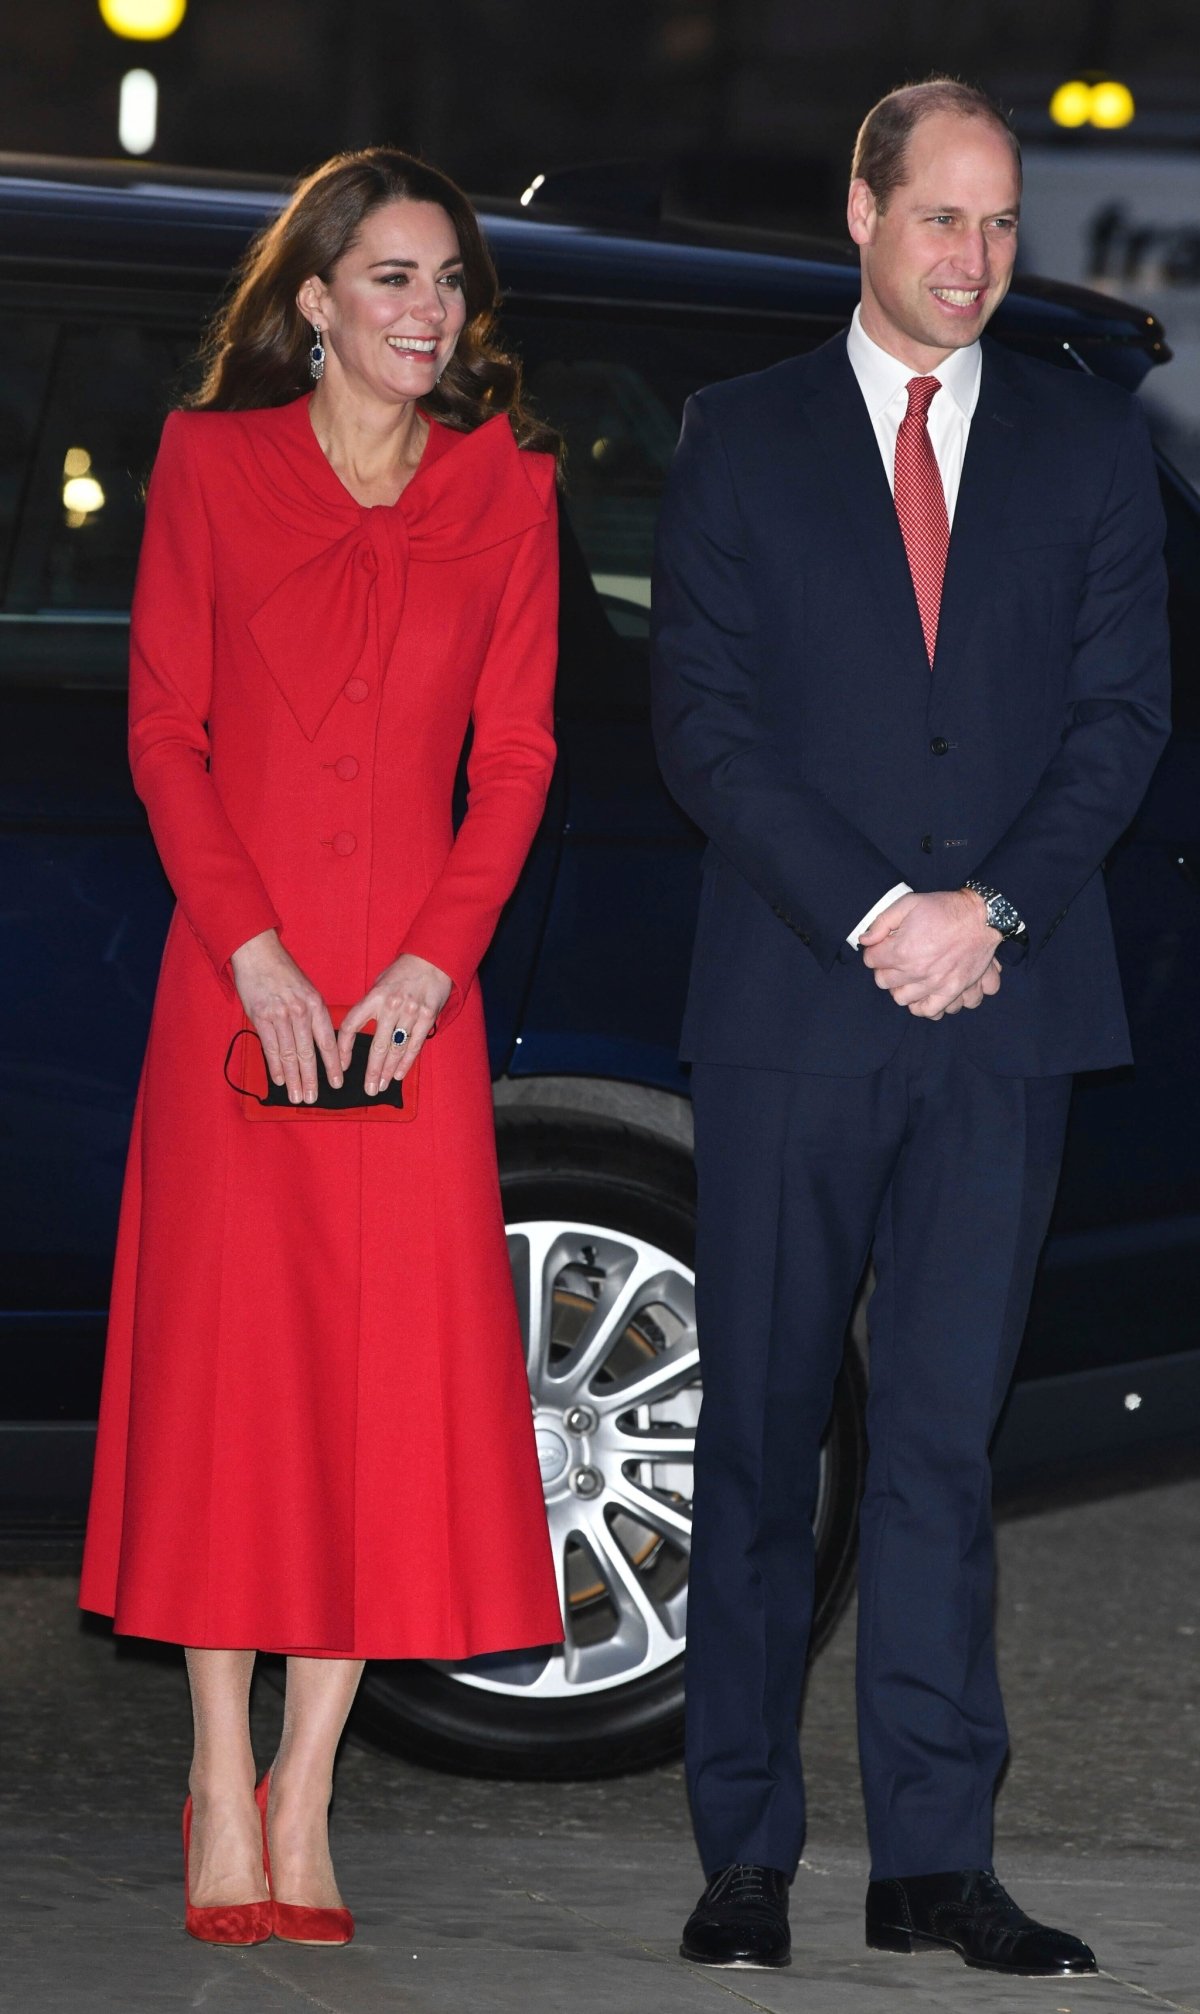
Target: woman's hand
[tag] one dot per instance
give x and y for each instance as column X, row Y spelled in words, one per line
column 410, row 994
column 290, row 1018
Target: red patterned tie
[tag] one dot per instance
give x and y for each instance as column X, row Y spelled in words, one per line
column 921, row 505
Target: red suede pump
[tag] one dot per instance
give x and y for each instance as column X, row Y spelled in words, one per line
column 293, row 1922
column 227, row 1923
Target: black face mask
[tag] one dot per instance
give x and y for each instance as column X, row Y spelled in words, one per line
column 351, row 1092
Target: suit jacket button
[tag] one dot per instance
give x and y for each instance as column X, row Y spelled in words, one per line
column 356, row 689
column 927, row 843
column 346, row 767
column 344, row 843
column 939, row 745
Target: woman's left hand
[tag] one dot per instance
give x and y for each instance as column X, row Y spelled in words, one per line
column 410, row 994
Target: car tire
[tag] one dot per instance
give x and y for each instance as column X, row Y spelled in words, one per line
column 556, row 1168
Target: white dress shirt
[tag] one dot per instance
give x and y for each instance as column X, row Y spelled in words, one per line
column 883, row 381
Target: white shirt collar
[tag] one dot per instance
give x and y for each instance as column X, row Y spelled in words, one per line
column 881, row 375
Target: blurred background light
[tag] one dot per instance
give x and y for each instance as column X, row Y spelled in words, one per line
column 82, row 497
column 143, row 20
column 1099, row 102
column 1071, row 104
column 528, row 194
column 1112, row 104
column 76, row 462
column 137, row 120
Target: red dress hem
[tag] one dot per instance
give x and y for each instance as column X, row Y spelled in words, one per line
column 423, row 1651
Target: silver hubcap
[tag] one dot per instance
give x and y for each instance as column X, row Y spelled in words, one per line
column 610, row 1335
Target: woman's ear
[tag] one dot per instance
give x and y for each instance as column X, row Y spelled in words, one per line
column 311, row 300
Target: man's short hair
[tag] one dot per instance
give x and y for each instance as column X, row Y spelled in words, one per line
column 881, row 149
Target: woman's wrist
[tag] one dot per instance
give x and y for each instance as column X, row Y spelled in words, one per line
column 264, row 938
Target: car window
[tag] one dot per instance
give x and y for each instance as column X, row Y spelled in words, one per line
column 24, row 375
column 616, row 390
column 111, row 385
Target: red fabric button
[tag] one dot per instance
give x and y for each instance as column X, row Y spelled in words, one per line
column 346, row 767
column 344, row 842
column 356, row 689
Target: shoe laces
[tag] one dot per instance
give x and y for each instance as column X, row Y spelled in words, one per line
column 743, row 1882
column 994, row 1897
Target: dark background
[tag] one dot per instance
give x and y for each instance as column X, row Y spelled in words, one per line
column 753, row 102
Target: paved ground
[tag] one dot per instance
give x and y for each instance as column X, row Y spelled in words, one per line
column 486, row 1896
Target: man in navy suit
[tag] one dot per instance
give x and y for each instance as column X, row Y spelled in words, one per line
column 911, row 679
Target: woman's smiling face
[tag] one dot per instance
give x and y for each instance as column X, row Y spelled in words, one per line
column 393, row 308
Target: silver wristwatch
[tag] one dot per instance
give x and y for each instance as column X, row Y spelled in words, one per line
column 1001, row 915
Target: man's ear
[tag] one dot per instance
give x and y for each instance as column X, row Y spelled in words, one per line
column 861, row 211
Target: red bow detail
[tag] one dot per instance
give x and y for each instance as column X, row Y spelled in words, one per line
column 313, row 628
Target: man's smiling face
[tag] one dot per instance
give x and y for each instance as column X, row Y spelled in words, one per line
column 937, row 261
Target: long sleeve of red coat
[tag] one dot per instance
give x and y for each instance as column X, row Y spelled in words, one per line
column 510, row 765
column 215, row 881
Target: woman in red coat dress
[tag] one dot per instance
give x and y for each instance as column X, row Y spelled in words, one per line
column 314, row 1374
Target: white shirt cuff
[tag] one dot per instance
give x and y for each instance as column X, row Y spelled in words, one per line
column 884, row 902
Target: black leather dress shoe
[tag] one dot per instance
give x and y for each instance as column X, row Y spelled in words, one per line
column 741, row 1919
column 972, row 1914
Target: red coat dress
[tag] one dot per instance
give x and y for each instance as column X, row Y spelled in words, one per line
column 316, row 1433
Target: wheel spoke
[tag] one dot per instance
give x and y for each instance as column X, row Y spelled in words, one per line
column 652, row 1510
column 562, row 1531
column 560, row 1536
column 675, row 1367
column 626, row 1288
column 529, row 1250
column 654, row 1443
column 640, row 1625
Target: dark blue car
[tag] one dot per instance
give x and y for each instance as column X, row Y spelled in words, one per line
column 107, row 277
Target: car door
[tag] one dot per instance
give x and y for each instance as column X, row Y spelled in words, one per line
column 608, row 994
column 85, row 902
column 1117, row 1284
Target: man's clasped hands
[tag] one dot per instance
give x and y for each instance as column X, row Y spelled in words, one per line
column 934, row 954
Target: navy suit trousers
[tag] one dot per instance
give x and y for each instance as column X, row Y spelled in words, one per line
column 949, row 1174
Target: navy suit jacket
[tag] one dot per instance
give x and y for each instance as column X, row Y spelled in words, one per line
column 799, row 724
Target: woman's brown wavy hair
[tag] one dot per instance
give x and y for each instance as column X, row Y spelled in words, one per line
column 256, row 351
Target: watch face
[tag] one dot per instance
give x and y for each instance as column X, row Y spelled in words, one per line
column 1001, row 915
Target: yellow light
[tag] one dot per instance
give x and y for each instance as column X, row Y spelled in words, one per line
column 1071, row 104
column 82, row 495
column 143, row 20
column 76, row 462
column 1112, row 104
column 1103, row 102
